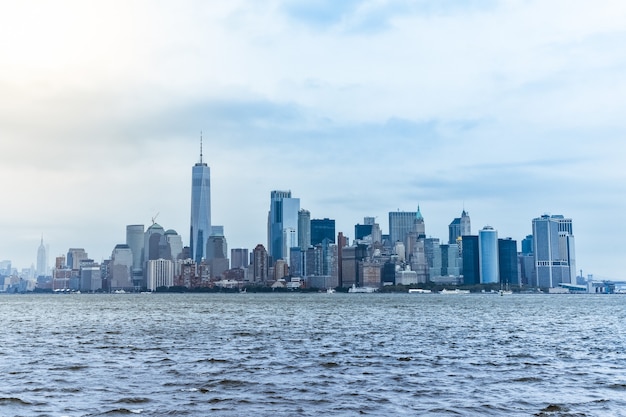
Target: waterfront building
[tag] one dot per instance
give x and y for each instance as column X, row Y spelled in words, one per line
column 200, row 228
column 42, row 260
column 160, row 273
column 507, row 261
column 322, row 229
column 283, row 214
column 260, row 264
column 90, row 276
column 304, row 229
column 488, row 255
column 471, row 270
column 553, row 244
column 120, row 269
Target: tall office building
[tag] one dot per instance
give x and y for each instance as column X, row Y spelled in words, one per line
column 322, row 229
column 260, row 265
column 283, row 214
column 507, row 261
column 120, row 269
column 42, row 260
column 75, row 256
column 401, row 223
column 160, row 273
column 200, row 229
column 304, row 229
column 488, row 255
column 471, row 270
column 553, row 244
column 239, row 258
column 460, row 226
column 527, row 245
column 135, row 241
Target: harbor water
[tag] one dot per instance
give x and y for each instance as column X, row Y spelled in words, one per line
column 293, row 354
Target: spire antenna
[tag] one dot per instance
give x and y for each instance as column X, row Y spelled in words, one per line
column 201, row 146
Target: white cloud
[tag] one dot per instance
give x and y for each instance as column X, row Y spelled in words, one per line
column 512, row 107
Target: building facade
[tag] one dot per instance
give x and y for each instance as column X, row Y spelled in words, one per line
column 200, row 228
column 488, row 255
column 283, row 214
column 553, row 245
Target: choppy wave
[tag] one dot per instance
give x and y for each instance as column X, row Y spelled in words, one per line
column 311, row 354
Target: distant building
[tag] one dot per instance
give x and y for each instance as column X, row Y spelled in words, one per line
column 553, row 244
column 304, row 229
column 120, row 269
column 283, row 214
column 322, row 229
column 135, row 241
column 507, row 261
column 471, row 263
column 527, row 245
column 75, row 256
column 239, row 258
column 260, row 264
column 90, row 276
column 160, row 273
column 400, row 224
column 460, row 226
column 488, row 255
column 200, row 228
column 42, row 260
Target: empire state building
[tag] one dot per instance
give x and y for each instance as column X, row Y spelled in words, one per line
column 200, row 208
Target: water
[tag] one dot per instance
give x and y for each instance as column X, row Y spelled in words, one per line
column 312, row 354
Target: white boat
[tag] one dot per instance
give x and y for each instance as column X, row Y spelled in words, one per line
column 330, row 291
column 419, row 291
column 356, row 289
column 454, row 291
column 506, row 291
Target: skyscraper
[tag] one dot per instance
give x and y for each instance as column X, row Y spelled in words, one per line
column 507, row 261
column 304, row 229
column 460, row 226
column 553, row 244
column 400, row 224
column 322, row 229
column 42, row 260
column 283, row 214
column 488, row 255
column 200, row 208
column 471, row 265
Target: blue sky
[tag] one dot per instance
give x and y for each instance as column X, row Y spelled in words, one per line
column 509, row 109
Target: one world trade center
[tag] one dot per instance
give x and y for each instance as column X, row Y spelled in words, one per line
column 200, row 209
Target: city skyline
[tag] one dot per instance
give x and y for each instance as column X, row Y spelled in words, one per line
column 508, row 110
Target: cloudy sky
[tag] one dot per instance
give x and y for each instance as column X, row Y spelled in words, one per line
column 509, row 109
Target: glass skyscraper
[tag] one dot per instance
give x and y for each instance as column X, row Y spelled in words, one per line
column 283, row 215
column 488, row 255
column 200, row 209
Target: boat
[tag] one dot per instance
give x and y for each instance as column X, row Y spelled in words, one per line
column 454, row 291
column 330, row 291
column 505, row 291
column 355, row 289
column 419, row 291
